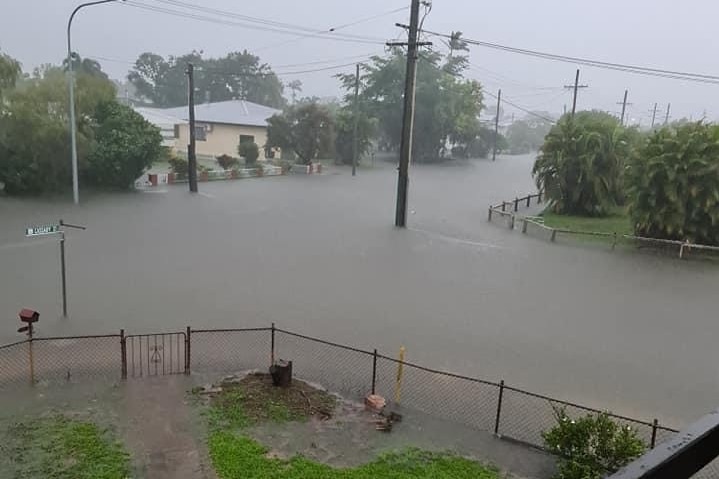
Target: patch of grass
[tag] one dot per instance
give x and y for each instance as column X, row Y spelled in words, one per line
column 61, row 448
column 617, row 222
column 238, row 457
column 254, row 400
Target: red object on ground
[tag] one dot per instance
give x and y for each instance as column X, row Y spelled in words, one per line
column 375, row 402
column 153, row 179
column 170, row 178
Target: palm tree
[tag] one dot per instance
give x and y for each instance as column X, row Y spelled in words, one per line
column 580, row 164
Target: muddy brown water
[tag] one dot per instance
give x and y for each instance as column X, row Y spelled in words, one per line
column 634, row 333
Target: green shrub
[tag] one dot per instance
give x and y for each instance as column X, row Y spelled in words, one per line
column 227, row 162
column 250, row 152
column 580, row 165
column 592, row 446
column 673, row 184
column 178, row 165
column 125, row 146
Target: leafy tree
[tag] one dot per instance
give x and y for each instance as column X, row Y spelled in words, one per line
column 446, row 104
column 306, row 129
column 10, row 70
column 125, row 146
column 344, row 140
column 295, row 87
column 85, row 66
column 592, row 446
column 34, row 139
column 580, row 164
column 250, row 151
column 525, row 136
column 237, row 75
column 673, row 184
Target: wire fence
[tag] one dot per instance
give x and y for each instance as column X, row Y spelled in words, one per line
column 507, row 212
column 494, row 406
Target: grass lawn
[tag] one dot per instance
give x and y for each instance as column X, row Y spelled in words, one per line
column 61, row 448
column 254, row 400
column 618, row 222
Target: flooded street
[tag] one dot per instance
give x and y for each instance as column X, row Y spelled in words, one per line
column 634, row 333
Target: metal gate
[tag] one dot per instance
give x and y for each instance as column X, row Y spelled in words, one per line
column 155, row 354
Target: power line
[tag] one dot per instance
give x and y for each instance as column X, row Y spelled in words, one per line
column 194, row 16
column 525, row 110
column 640, row 70
column 288, row 73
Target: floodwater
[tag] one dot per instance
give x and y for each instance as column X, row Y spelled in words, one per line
column 634, row 333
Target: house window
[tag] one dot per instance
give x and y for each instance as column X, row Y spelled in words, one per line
column 200, row 133
column 247, row 139
column 177, row 131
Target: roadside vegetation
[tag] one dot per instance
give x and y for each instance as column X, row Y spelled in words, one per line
column 600, row 176
column 115, row 144
column 253, row 400
column 592, row 446
column 61, row 448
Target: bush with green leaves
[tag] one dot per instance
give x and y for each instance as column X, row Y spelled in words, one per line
column 125, row 146
column 250, row 152
column 592, row 446
column 227, row 162
column 580, row 165
column 673, row 184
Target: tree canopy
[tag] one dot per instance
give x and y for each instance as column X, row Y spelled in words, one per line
column 305, row 129
column 9, row 72
column 527, row 135
column 237, row 75
column 673, row 184
column 447, row 105
column 580, row 165
column 115, row 144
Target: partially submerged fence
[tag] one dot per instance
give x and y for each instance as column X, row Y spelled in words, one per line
column 494, row 406
column 509, row 212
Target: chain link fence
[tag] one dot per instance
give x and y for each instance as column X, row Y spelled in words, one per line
column 506, row 411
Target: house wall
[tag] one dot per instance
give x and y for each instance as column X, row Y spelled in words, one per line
column 222, row 139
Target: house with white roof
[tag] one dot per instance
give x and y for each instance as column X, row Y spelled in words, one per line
column 220, row 127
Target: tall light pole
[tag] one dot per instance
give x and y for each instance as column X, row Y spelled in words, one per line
column 71, row 88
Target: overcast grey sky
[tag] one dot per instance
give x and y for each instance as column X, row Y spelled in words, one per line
column 658, row 33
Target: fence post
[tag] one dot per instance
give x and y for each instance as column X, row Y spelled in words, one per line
column 655, row 425
column 489, row 216
column 539, row 196
column 272, row 345
column 524, row 226
column 503, row 205
column 511, row 223
column 554, row 235
column 188, row 343
column 374, row 372
column 123, row 354
column 499, row 407
column 516, row 204
column 529, row 200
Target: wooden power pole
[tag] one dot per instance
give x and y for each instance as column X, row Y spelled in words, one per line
column 407, row 116
column 496, row 125
column 191, row 153
column 666, row 118
column 356, row 123
column 576, row 88
column 624, row 107
column 654, row 114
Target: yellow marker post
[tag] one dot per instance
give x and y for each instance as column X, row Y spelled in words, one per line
column 400, row 372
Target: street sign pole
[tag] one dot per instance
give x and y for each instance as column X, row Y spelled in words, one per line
column 56, row 229
column 62, row 272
